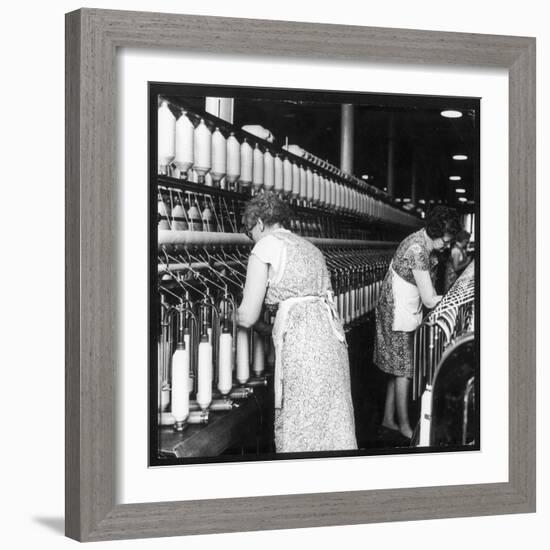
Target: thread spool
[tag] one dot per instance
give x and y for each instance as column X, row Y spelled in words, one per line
column 316, row 188
column 179, row 222
column 195, row 218
column 166, row 137
column 187, row 348
column 243, row 356
column 295, row 181
column 278, row 183
column 287, row 177
column 257, row 169
column 202, row 149
column 184, row 144
column 204, row 386
column 207, row 219
column 225, row 363
column 269, row 171
column 180, row 384
column 303, row 183
column 425, row 417
column 258, row 365
column 333, row 190
column 164, row 210
column 322, row 190
column 309, row 184
column 219, row 156
column 247, row 162
column 233, row 159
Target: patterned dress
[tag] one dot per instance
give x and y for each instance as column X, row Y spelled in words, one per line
column 317, row 410
column 393, row 350
column 450, row 274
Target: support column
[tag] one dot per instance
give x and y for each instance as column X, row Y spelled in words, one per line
column 414, row 172
column 222, row 107
column 346, row 138
column 390, row 182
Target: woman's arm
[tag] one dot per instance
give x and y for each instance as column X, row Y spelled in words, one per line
column 254, row 292
column 427, row 292
column 458, row 263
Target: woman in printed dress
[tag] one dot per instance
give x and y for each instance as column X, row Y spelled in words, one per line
column 458, row 259
column 406, row 288
column 313, row 406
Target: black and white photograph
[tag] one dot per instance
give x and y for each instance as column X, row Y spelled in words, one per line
column 312, row 272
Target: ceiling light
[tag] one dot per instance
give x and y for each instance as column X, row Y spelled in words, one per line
column 460, row 190
column 406, row 200
column 455, row 178
column 451, row 114
column 462, row 199
column 398, row 200
column 365, row 177
column 421, row 201
column 460, row 157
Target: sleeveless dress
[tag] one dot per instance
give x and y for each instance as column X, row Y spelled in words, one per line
column 315, row 412
column 393, row 349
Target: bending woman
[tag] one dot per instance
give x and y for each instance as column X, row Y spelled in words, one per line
column 406, row 287
column 313, row 406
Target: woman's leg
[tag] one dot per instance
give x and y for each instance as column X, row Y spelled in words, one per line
column 401, row 398
column 389, row 408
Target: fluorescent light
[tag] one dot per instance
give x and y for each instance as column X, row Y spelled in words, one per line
column 406, row 200
column 451, row 114
column 421, row 201
column 455, row 178
column 460, row 190
column 460, row 157
column 364, row 177
column 397, row 199
column 462, row 199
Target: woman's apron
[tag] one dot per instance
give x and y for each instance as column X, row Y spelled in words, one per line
column 280, row 328
column 407, row 305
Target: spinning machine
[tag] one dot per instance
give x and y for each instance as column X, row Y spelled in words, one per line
column 212, row 376
column 444, row 370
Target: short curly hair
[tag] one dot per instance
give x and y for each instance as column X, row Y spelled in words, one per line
column 268, row 207
column 442, row 220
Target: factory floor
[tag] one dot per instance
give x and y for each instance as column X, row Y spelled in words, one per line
column 368, row 385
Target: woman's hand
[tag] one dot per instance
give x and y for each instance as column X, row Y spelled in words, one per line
column 265, row 329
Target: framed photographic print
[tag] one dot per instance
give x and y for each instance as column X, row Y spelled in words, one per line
column 276, row 289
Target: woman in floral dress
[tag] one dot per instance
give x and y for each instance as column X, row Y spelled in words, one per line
column 406, row 288
column 313, row 406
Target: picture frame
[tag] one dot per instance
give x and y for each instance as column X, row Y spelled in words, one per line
column 92, row 39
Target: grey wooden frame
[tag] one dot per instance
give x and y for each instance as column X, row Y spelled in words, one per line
column 92, row 39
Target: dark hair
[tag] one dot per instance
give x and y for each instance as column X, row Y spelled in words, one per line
column 441, row 220
column 462, row 235
column 268, row 207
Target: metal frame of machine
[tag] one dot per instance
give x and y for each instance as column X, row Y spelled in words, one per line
column 92, row 39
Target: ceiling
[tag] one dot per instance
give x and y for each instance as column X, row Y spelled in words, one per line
column 424, row 141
